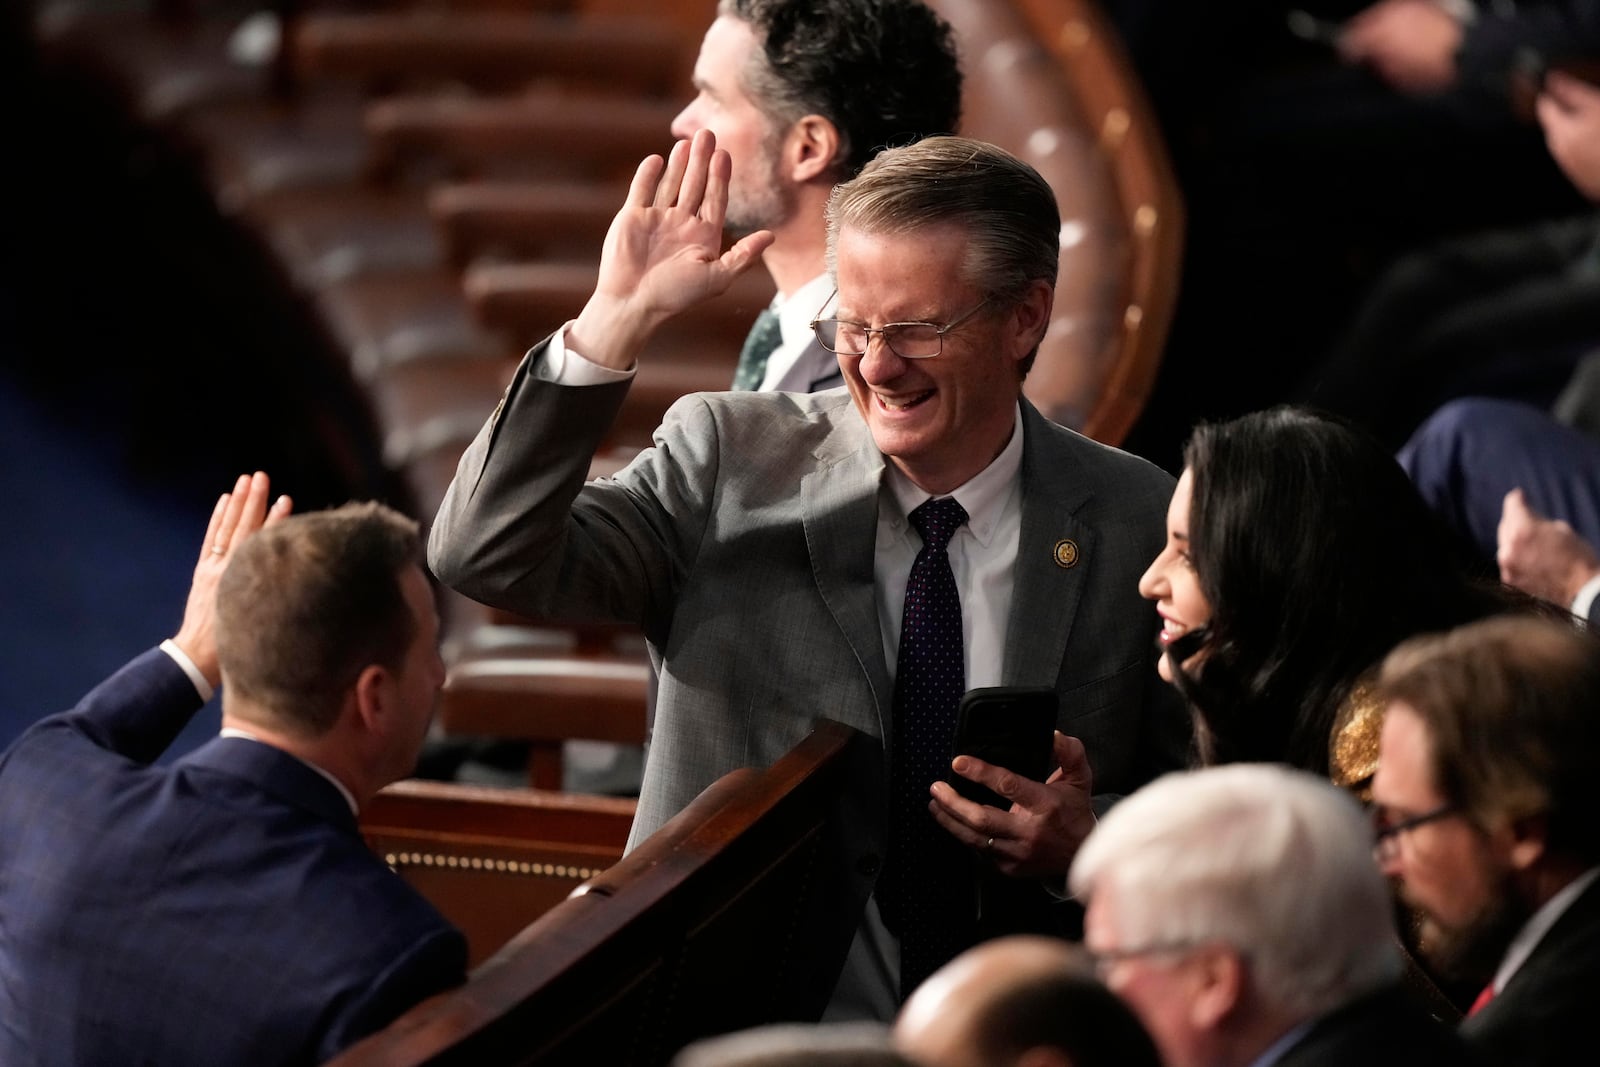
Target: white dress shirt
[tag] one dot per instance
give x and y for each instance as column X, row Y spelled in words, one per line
column 798, row 361
column 983, row 554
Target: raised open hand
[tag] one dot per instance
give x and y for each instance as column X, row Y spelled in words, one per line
column 235, row 517
column 663, row 252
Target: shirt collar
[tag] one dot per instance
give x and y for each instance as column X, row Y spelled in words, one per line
column 1534, row 929
column 1274, row 1052
column 796, row 311
column 983, row 496
column 349, row 798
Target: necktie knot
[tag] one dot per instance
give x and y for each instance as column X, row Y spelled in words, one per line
column 759, row 344
column 938, row 520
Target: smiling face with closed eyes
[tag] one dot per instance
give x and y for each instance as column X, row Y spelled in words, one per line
column 942, row 419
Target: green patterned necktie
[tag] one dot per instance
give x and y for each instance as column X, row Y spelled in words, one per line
column 759, row 344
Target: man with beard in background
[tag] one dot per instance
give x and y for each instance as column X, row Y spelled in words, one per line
column 1487, row 807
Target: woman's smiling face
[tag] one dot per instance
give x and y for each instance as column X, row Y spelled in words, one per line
column 1171, row 580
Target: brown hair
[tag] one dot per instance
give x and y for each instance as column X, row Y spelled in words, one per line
column 1512, row 710
column 308, row 603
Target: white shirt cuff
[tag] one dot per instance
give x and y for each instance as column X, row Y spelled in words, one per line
column 1585, row 598
column 181, row 658
column 563, row 366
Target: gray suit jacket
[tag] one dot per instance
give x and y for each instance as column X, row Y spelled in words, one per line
column 743, row 544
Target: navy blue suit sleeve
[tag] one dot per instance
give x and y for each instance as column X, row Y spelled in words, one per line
column 137, row 712
column 437, row 963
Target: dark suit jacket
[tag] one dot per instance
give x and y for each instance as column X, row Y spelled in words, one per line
column 1387, row 1028
column 743, row 543
column 1545, row 1014
column 223, row 910
column 1471, row 452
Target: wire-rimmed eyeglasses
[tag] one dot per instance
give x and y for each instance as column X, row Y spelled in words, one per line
column 1104, row 958
column 1386, row 835
column 909, row 340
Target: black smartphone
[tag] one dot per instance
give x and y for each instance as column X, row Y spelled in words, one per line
column 1010, row 726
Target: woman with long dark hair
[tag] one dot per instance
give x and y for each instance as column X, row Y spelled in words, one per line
column 1298, row 554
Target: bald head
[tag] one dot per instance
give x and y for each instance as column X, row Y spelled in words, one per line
column 1025, row 1000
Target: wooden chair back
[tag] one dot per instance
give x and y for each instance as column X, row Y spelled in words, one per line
column 1049, row 81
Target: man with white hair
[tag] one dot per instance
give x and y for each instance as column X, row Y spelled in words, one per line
column 1238, row 910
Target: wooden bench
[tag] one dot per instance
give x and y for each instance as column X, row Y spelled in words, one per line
column 729, row 916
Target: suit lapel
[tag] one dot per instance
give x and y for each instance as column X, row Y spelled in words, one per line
column 1054, row 554
column 839, row 509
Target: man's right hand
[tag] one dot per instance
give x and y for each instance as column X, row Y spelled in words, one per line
column 1541, row 556
column 662, row 253
column 235, row 517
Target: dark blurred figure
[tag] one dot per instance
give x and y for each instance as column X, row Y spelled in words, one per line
column 1315, row 143
column 1504, row 313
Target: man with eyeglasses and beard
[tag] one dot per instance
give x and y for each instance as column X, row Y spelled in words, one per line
column 1488, row 803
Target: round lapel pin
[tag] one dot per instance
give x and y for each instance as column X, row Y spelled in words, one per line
column 1066, row 553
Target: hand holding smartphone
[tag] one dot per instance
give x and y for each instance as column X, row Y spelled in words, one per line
column 1008, row 726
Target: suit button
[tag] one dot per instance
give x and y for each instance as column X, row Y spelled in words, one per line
column 868, row 864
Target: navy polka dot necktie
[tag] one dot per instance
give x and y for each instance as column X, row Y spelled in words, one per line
column 759, row 344
column 929, row 899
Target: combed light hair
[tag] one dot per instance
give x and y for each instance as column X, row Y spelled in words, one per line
column 1274, row 862
column 307, row 604
column 1007, row 210
column 1007, row 213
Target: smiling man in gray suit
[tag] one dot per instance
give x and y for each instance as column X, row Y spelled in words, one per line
column 764, row 543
